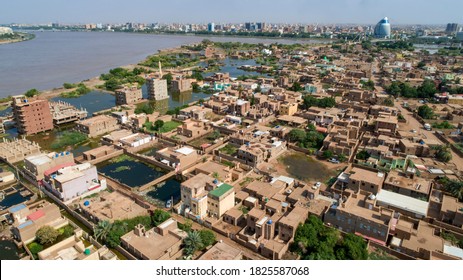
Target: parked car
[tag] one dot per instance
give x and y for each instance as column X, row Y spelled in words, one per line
column 334, row 160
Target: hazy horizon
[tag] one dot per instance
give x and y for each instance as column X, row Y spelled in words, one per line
column 400, row 12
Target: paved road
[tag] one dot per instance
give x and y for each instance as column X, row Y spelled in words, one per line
column 413, row 123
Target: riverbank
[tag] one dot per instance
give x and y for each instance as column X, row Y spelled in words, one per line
column 17, row 37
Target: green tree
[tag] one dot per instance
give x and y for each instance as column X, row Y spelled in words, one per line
column 207, row 237
column 214, row 135
column 46, row 235
column 425, row 112
column 362, row 155
column 297, row 135
column 168, row 77
column 389, row 102
column 296, row 87
column 158, row 124
column 159, row 217
column 427, row 89
column 342, row 157
column 443, row 153
column 192, row 243
column 102, row 229
column 186, row 226
column 352, row 247
column 35, row 248
column 32, row 92
column 327, row 154
column 112, row 84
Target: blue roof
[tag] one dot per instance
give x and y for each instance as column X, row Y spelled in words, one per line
column 25, row 224
column 16, row 208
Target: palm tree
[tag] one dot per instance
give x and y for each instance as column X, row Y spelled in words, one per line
column 192, row 242
column 102, row 229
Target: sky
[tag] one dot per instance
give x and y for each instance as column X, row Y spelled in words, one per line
column 232, row 11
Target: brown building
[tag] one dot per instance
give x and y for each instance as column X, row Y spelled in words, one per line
column 31, row 116
column 181, row 85
column 128, row 95
column 97, row 125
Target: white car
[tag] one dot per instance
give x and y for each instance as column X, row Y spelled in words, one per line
column 318, row 184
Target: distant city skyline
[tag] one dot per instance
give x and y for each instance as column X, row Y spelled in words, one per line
column 235, row 11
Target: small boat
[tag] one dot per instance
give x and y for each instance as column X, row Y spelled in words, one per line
column 169, row 203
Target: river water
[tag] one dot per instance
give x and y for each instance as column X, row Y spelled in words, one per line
column 53, row 58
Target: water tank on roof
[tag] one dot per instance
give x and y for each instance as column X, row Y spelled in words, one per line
column 216, row 181
column 67, row 153
column 86, row 203
column 62, row 153
column 269, row 222
column 87, row 252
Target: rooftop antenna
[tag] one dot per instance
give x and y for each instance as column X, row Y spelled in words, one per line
column 160, row 69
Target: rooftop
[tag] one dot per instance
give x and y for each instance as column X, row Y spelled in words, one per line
column 403, row 202
column 221, row 190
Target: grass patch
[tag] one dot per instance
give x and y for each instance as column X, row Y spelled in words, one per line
column 68, row 138
column 228, row 149
column 81, row 90
column 122, row 158
column 121, row 168
column 167, row 127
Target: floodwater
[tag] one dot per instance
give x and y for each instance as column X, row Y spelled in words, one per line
column 8, row 250
column 305, row 168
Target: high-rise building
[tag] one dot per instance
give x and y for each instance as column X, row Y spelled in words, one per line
column 451, row 28
column 31, row 116
column 128, row 95
column 211, row 27
column 383, row 29
column 157, row 89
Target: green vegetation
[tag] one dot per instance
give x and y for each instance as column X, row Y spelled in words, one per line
column 146, row 107
column 161, row 127
column 395, row 45
column 296, row 87
column 122, row 158
column 326, row 102
column 228, row 149
column 159, row 217
column 327, row 154
column 443, row 125
column 228, row 163
column 380, row 255
column 453, row 187
column 244, row 209
column 120, row 76
column 68, row 138
column 208, row 238
column 121, row 168
column 426, row 90
column 32, row 92
column 368, row 85
column 362, row 155
column 314, row 241
column 81, row 90
column 307, row 139
column 111, row 233
column 425, row 112
column 192, row 243
column 35, row 248
column 389, row 102
column 214, row 135
column 186, row 227
column 170, row 60
column 247, row 77
column 69, row 85
column 443, row 153
column 452, row 238
column 46, row 235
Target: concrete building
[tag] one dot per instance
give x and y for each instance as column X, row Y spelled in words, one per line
column 64, row 112
column 73, row 181
column 383, row 29
column 163, row 242
column 157, row 89
column 128, row 95
column 31, row 115
column 222, row 251
column 35, row 166
column 181, row 85
column 220, row 200
column 177, row 157
column 73, row 248
column 110, row 206
column 17, row 149
column 29, row 219
column 193, row 128
column 97, row 125
column 288, row 109
column 194, row 195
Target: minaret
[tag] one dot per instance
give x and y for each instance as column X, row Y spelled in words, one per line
column 160, row 69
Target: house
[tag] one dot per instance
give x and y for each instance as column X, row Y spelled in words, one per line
column 36, row 165
column 98, row 125
column 220, row 200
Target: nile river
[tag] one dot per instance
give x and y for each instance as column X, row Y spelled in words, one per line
column 53, row 58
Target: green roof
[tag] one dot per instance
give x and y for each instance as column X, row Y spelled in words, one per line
column 221, row 190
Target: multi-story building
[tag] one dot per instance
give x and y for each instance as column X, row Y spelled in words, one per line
column 128, row 95
column 73, row 181
column 35, row 166
column 17, row 149
column 181, row 85
column 288, row 109
column 64, row 112
column 220, row 200
column 31, row 115
column 194, row 195
column 97, row 125
column 157, row 89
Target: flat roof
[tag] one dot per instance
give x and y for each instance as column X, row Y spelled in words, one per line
column 185, row 151
column 454, row 251
column 221, row 190
column 403, row 202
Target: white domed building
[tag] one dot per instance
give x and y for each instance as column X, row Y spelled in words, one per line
column 5, row 30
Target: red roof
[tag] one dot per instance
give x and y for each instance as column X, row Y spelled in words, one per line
column 58, row 167
column 321, row 129
column 36, row 215
column 371, row 238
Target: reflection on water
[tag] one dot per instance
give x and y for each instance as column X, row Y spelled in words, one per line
column 303, row 167
column 162, row 192
column 8, row 250
column 93, row 101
